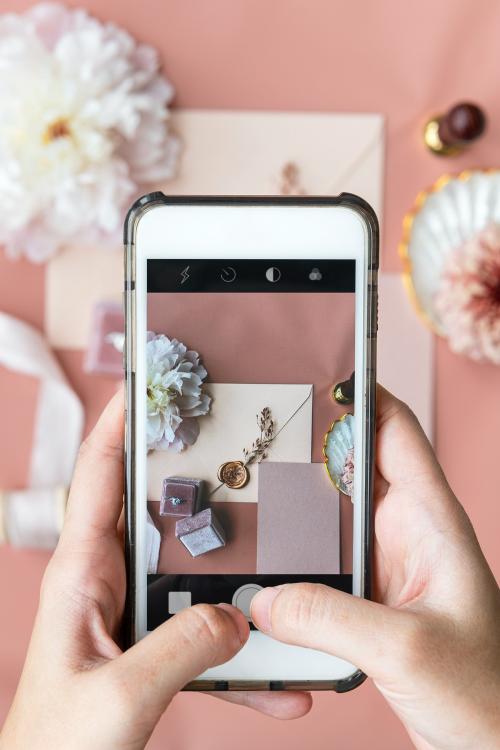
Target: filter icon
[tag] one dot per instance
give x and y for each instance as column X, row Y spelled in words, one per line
column 315, row 275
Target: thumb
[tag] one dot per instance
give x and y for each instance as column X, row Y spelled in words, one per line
column 315, row 616
column 175, row 653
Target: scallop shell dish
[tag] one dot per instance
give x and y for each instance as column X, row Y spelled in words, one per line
column 451, row 253
column 338, row 450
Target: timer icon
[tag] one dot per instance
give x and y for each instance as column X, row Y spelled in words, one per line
column 228, row 274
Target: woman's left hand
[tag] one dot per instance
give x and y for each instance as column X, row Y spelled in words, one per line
column 78, row 689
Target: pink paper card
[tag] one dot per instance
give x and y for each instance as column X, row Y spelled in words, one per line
column 297, row 520
column 405, row 351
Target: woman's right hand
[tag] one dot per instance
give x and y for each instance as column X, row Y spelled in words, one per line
column 431, row 641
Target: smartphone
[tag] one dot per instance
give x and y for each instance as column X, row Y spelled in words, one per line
column 250, row 353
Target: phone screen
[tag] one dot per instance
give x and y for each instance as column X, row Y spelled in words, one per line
column 250, row 434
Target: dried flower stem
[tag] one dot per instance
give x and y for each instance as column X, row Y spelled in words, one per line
column 267, row 428
column 268, row 433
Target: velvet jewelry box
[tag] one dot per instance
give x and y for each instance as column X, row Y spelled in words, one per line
column 105, row 347
column 180, row 496
column 200, row 533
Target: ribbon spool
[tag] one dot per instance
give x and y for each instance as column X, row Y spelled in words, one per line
column 32, row 518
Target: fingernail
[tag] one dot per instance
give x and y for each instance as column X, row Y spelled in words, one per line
column 238, row 619
column 261, row 608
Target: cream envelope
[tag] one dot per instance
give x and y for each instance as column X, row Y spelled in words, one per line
column 228, row 153
column 247, row 153
column 230, row 427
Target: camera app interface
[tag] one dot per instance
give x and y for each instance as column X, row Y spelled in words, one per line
column 250, row 434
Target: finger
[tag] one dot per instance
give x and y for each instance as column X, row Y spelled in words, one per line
column 279, row 704
column 404, row 454
column 315, row 616
column 96, row 496
column 178, row 651
column 120, row 527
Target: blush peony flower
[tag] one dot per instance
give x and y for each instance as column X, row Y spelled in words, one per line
column 175, row 395
column 468, row 301
column 84, row 128
column 347, row 478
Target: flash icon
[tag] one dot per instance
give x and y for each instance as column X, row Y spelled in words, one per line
column 185, row 274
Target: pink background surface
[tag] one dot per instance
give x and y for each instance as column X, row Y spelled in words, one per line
column 404, row 60
column 239, row 521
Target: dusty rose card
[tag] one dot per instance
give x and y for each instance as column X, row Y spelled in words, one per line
column 297, row 520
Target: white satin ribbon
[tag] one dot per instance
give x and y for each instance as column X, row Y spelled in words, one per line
column 56, row 439
column 153, row 542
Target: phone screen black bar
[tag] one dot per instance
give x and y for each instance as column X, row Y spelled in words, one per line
column 268, row 275
column 212, row 589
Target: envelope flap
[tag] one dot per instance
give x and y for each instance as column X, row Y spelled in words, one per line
column 245, row 153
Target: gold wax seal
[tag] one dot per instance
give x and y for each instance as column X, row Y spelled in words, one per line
column 234, row 474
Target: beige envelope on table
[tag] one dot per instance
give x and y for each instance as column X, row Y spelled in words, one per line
column 268, row 153
column 231, row 426
column 227, row 153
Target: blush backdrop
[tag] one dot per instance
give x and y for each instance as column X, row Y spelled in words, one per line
column 400, row 59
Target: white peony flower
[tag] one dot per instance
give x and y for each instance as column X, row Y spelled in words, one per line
column 83, row 128
column 175, row 395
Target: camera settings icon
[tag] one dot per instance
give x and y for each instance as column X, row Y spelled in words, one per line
column 315, row 275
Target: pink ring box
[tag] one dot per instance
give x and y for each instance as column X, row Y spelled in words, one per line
column 105, row 350
column 180, row 496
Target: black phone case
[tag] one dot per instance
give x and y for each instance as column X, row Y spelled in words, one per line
column 367, row 214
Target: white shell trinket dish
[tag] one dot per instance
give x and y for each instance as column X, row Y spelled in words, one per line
column 338, row 450
column 451, row 256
